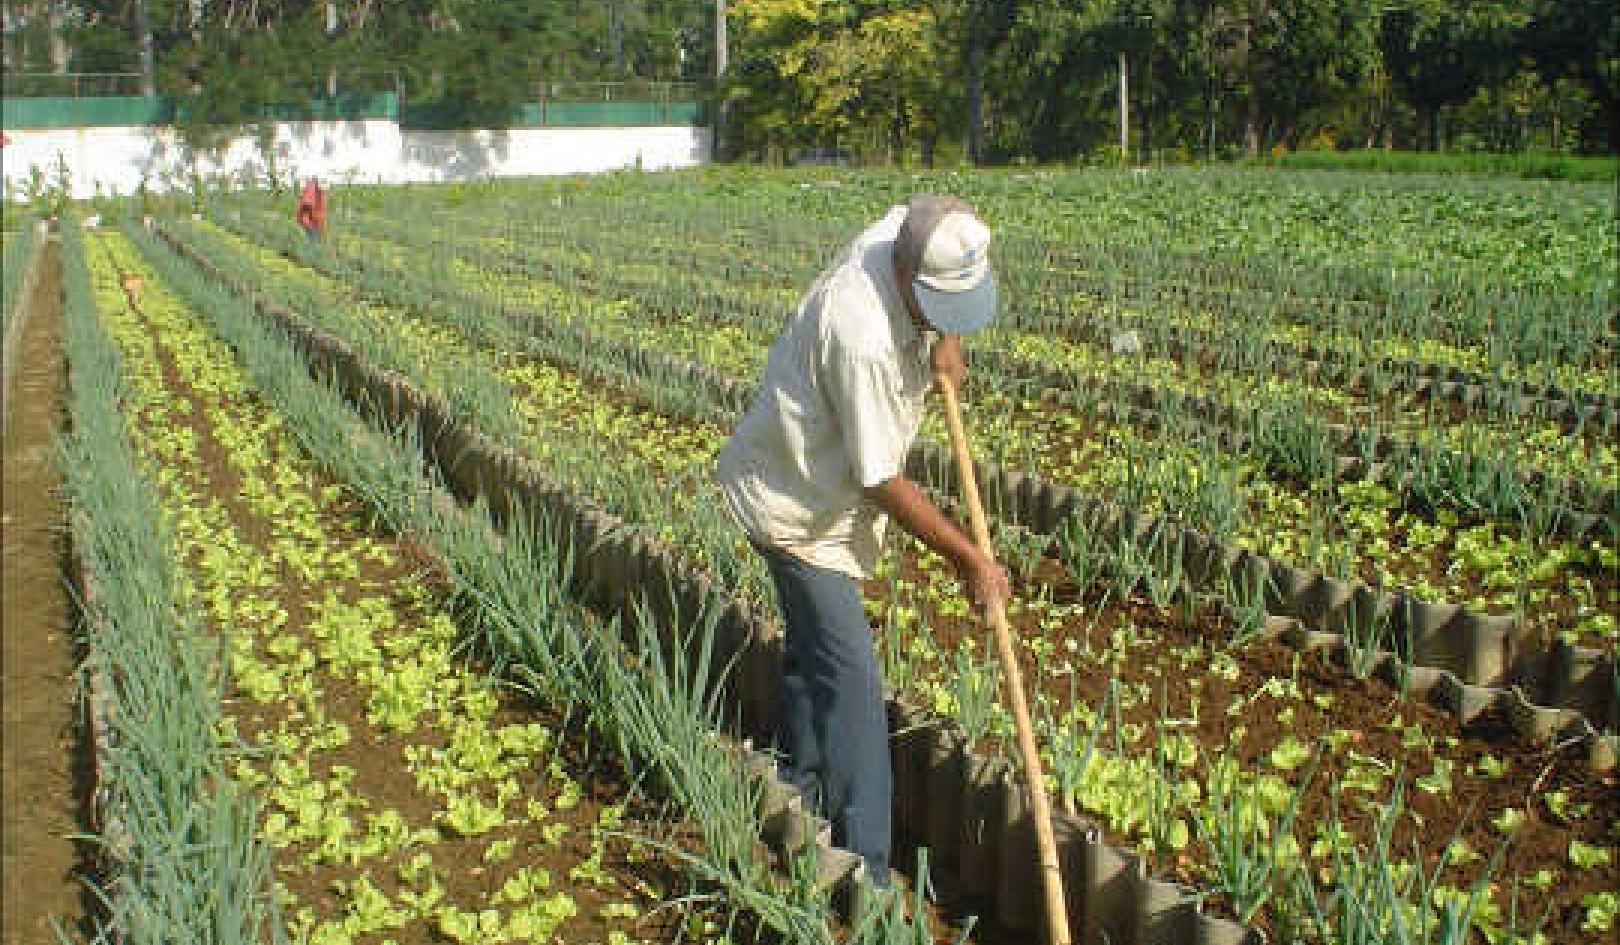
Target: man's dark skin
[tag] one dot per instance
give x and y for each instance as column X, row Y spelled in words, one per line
column 985, row 580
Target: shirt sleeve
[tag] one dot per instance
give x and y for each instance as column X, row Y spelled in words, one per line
column 865, row 395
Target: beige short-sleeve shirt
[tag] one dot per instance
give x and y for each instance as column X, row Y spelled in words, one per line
column 838, row 406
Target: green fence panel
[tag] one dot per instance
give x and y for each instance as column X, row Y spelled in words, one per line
column 430, row 116
column 438, row 116
column 684, row 113
column 356, row 106
column 90, row 111
column 65, row 112
column 604, row 113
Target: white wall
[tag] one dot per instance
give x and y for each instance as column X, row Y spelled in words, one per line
column 118, row 159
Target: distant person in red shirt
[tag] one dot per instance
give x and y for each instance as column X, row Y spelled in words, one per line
column 312, row 209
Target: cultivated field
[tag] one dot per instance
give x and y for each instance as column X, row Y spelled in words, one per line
column 1308, row 483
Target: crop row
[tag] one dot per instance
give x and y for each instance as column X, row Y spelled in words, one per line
column 152, row 702
column 956, row 605
column 1356, row 530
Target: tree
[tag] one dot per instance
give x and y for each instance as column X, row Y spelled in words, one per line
column 1297, row 56
column 37, row 35
column 1439, row 52
column 819, row 73
column 973, row 30
column 1053, row 73
column 1580, row 40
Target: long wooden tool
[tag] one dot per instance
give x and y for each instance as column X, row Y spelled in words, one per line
column 1057, row 913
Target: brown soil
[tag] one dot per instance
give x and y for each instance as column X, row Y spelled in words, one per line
column 42, row 757
column 1171, row 658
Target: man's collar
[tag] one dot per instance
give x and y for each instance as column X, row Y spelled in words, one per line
column 911, row 333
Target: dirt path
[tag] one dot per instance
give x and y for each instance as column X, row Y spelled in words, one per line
column 40, row 760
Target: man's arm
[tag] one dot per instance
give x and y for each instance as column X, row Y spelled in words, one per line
column 986, row 581
column 907, row 504
column 946, row 358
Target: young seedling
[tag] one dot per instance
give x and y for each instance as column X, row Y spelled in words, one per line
column 1248, row 852
column 1080, row 547
column 1070, row 758
column 1245, row 593
column 1367, row 632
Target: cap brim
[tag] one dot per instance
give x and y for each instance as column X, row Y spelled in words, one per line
column 958, row 313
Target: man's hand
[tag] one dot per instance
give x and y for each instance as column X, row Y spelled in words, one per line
column 986, row 581
column 946, row 359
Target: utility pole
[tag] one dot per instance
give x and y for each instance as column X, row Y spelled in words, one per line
column 719, row 39
column 720, row 64
column 1124, row 111
column 1141, row 20
column 331, row 31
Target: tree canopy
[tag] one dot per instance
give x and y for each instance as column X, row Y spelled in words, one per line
column 991, row 80
column 1040, row 79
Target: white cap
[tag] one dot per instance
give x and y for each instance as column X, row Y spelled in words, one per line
column 947, row 246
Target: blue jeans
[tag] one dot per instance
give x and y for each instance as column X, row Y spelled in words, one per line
column 834, row 729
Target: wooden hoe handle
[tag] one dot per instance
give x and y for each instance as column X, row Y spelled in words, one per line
column 1057, row 914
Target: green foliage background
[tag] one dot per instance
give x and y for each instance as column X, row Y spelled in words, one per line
column 926, row 81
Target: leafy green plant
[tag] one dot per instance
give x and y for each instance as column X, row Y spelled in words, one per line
column 1245, row 592
column 1080, row 546
column 1020, row 548
column 1602, row 912
column 1249, row 853
column 1070, row 757
column 1368, row 632
column 1586, row 856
